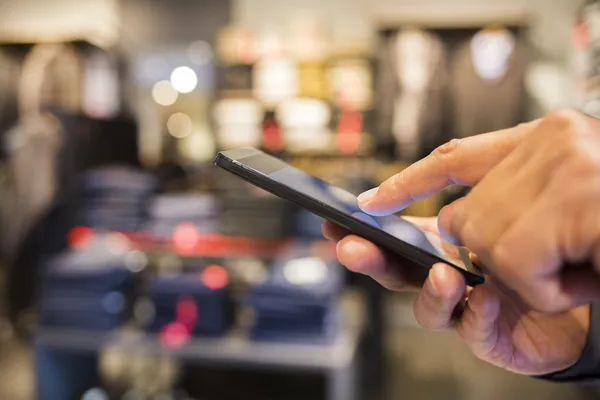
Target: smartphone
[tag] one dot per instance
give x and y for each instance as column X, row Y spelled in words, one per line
column 399, row 237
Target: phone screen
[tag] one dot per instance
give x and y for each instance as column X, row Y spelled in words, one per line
column 347, row 203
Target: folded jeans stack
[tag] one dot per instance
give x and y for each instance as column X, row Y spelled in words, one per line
column 200, row 302
column 116, row 198
column 297, row 302
column 86, row 289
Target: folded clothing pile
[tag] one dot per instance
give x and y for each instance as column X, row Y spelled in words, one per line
column 167, row 212
column 87, row 289
column 297, row 302
column 116, row 198
column 259, row 217
column 198, row 302
column 247, row 211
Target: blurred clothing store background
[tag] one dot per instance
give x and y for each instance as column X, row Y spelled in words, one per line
column 131, row 268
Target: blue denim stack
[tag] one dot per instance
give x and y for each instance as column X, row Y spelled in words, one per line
column 297, row 302
column 308, row 225
column 115, row 198
column 212, row 306
column 86, row 289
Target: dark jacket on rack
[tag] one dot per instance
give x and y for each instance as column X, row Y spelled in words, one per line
column 483, row 106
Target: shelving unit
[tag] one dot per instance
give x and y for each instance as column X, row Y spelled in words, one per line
column 338, row 361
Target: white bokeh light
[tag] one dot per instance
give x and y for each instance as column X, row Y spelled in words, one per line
column 184, row 79
column 179, row 125
column 164, row 94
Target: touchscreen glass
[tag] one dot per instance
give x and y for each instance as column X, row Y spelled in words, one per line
column 347, row 203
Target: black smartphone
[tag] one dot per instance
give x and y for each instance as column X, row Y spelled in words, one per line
column 394, row 234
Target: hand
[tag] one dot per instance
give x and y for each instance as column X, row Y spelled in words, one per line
column 533, row 211
column 496, row 325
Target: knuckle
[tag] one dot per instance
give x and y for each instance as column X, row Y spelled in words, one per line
column 471, row 236
column 564, row 118
column 447, row 151
column 504, row 261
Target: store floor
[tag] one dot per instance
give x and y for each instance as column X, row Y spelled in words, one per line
column 437, row 366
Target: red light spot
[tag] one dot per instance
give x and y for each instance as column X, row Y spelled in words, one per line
column 215, row 277
column 581, row 36
column 272, row 139
column 187, row 311
column 349, row 129
column 80, row 237
column 185, row 237
column 174, row 335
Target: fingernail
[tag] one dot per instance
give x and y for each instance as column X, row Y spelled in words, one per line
column 367, row 196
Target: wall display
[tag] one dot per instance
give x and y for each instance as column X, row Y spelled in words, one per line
column 307, row 38
column 236, row 45
column 275, row 80
column 491, row 65
column 350, row 83
column 312, row 78
column 235, row 78
column 238, row 122
column 305, row 124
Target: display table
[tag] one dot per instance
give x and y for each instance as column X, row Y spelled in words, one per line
column 62, row 355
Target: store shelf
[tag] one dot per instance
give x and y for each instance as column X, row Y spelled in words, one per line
column 234, row 349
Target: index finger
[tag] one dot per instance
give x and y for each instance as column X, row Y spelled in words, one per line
column 460, row 161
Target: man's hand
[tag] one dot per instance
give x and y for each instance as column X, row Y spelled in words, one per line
column 533, row 216
column 496, row 324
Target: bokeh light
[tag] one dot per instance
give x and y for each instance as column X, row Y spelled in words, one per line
column 200, row 52
column 186, row 311
column 136, row 261
column 164, row 94
column 215, row 277
column 174, row 335
column 179, row 125
column 80, row 237
column 185, row 237
column 184, row 79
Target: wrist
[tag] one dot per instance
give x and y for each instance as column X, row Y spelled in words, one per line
column 585, row 364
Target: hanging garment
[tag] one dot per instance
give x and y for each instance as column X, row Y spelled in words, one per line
column 9, row 80
column 51, row 77
column 487, row 83
column 417, row 122
column 28, row 178
column 411, row 94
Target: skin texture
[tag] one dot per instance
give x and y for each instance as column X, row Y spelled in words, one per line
column 533, row 220
column 497, row 325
